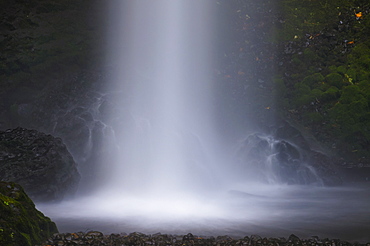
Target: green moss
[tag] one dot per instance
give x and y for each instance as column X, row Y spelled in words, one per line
column 330, row 79
column 309, row 16
column 312, row 117
column 330, row 94
column 316, row 93
column 313, row 80
column 20, row 222
column 297, row 62
column 305, row 96
column 309, row 55
column 302, row 89
column 27, row 238
column 335, row 79
column 342, row 69
column 279, row 88
column 364, row 87
column 350, row 94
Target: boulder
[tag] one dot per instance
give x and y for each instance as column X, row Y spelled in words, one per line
column 20, row 222
column 40, row 163
column 279, row 161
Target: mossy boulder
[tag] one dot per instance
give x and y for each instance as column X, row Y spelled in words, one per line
column 20, row 222
column 335, row 79
column 331, row 94
column 313, row 80
column 39, row 162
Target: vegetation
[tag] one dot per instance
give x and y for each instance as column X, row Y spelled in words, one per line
column 327, row 78
column 20, row 222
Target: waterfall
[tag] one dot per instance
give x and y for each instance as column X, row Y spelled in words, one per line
column 162, row 68
column 163, row 137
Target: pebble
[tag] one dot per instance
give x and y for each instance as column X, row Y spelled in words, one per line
column 137, row 238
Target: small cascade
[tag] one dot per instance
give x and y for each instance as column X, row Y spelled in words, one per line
column 274, row 161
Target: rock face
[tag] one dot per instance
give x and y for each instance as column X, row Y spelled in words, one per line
column 287, row 157
column 20, row 222
column 38, row 162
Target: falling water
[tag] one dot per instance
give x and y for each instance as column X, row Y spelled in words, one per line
column 169, row 169
column 162, row 71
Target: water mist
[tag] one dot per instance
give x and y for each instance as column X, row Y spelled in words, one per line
column 169, row 169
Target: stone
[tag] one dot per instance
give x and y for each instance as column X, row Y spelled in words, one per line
column 40, row 163
column 20, row 222
column 286, row 161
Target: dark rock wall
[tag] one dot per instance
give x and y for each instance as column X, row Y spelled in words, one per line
column 49, row 70
column 43, row 44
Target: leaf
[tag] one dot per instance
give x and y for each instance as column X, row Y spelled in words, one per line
column 358, row 15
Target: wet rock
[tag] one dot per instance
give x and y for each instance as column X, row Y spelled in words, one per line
column 20, row 222
column 188, row 237
column 255, row 238
column 293, row 238
column 39, row 162
column 272, row 160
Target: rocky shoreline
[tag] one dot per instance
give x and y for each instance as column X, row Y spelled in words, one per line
column 136, row 238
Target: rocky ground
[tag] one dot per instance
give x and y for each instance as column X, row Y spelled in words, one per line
column 98, row 238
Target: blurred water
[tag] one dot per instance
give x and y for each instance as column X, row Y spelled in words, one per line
column 162, row 68
column 269, row 211
column 168, row 169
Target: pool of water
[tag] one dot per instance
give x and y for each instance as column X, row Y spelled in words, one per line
column 242, row 210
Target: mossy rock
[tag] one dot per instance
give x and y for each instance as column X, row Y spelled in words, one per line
column 313, row 80
column 330, row 94
column 309, row 55
column 20, row 222
column 350, row 94
column 338, row 69
column 365, row 86
column 312, row 117
column 335, row 79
